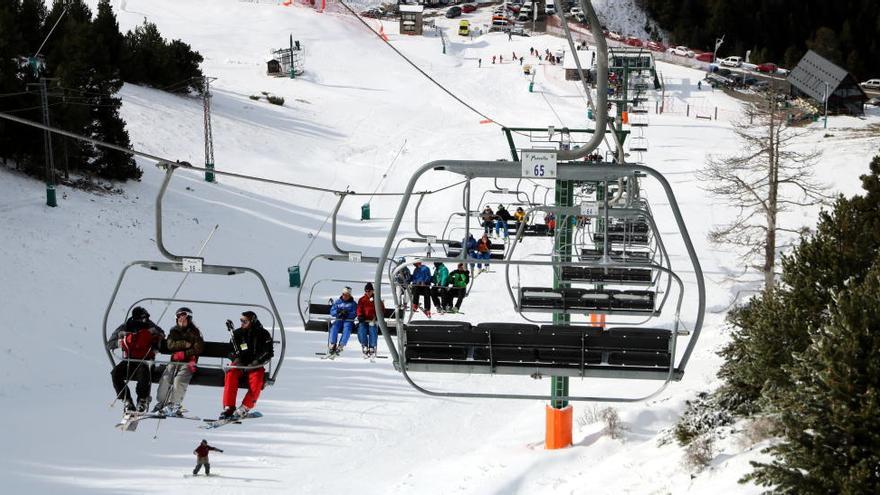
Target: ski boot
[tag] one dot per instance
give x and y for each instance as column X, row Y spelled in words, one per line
column 143, row 404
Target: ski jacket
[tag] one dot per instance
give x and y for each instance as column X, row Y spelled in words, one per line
column 202, row 450
column 441, row 276
column 187, row 340
column 253, row 346
column 484, row 246
column 488, row 215
column 460, row 278
column 138, row 339
column 366, row 308
column 421, row 275
column 471, row 244
column 503, row 214
column 403, row 277
column 519, row 215
column 344, row 310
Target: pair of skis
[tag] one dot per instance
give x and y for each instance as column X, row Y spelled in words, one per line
column 211, row 424
column 131, row 420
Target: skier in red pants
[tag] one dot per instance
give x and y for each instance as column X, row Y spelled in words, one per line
column 253, row 349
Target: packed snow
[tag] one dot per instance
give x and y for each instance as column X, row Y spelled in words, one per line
column 343, row 426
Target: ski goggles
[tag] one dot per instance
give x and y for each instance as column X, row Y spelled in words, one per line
column 188, row 314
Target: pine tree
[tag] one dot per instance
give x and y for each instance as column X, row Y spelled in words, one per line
column 830, row 421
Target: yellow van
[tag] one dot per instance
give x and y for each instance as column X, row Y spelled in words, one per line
column 464, row 28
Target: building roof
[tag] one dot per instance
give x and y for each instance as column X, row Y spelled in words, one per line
column 811, row 74
column 586, row 58
column 411, row 8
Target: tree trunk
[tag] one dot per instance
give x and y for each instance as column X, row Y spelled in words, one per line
column 772, row 198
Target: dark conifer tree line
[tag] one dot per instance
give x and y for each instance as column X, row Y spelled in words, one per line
column 88, row 59
column 780, row 31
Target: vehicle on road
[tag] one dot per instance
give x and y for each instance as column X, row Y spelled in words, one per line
column 871, row 84
column 682, row 51
column 633, row 41
column 453, row 12
column 875, row 101
column 468, row 8
column 705, row 57
column 464, row 28
column 767, row 67
column 656, row 46
column 733, row 61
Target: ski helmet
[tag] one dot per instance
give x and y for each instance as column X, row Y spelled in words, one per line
column 139, row 313
column 184, row 312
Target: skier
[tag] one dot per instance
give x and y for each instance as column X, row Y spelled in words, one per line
column 521, row 60
column 550, row 221
column 502, row 216
column 493, row 59
column 514, row 55
column 699, row 85
column 519, row 215
column 479, row 62
column 253, row 349
column 402, row 280
column 368, row 331
column 201, row 454
column 344, row 311
column 484, row 251
column 138, row 338
column 488, row 219
column 438, row 290
column 471, row 246
column 421, row 286
column 186, row 343
column 459, row 279
column 500, row 59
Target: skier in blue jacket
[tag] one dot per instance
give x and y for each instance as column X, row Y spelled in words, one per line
column 344, row 312
column 421, row 286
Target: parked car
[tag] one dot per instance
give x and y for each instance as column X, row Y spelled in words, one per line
column 871, row 84
column 681, row 51
column 761, row 86
column 614, row 36
column 875, row 101
column 705, row 57
column 375, row 13
column 468, row 8
column 656, row 46
column 633, row 41
column 768, row 67
column 453, row 12
column 732, row 61
column 575, row 11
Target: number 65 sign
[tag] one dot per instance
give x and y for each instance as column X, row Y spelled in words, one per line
column 539, row 164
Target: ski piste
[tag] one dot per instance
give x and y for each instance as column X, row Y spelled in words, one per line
column 217, row 423
column 131, row 420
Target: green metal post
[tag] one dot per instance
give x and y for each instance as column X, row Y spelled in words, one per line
column 562, row 249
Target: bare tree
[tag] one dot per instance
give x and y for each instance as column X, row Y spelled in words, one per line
column 765, row 178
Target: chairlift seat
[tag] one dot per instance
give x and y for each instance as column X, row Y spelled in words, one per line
column 640, row 227
column 508, row 343
column 589, row 254
column 541, row 297
column 638, row 239
column 446, row 342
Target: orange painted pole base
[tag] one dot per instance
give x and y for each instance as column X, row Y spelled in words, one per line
column 558, row 428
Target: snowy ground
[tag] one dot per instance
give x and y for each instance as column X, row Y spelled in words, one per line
column 348, row 425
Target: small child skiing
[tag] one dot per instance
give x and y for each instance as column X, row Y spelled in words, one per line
column 201, row 454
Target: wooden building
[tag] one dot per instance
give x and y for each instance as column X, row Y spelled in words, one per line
column 817, row 78
column 411, row 19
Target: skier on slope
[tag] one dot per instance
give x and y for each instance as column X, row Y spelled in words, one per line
column 185, row 343
column 138, row 338
column 368, row 331
column 252, row 346
column 201, row 454
column 421, row 286
column 344, row 311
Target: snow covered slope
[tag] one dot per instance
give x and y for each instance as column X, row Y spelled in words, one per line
column 346, row 425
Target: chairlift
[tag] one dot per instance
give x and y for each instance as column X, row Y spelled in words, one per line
column 210, row 373
column 638, row 144
column 547, row 350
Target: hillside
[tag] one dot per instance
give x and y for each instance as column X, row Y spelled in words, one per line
column 347, row 425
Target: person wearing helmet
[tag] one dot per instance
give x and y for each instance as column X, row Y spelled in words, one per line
column 487, row 218
column 440, row 280
column 344, row 311
column 201, row 454
column 253, row 349
column 368, row 331
column 185, row 343
column 421, row 286
column 138, row 338
column 402, row 280
column 502, row 216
